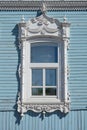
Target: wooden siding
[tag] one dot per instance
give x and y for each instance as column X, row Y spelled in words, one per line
column 75, row 120
column 9, row 56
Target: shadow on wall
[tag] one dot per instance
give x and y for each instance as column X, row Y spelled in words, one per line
column 39, row 115
column 39, row 12
column 15, row 33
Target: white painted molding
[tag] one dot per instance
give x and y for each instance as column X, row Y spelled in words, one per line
column 38, row 108
column 44, row 28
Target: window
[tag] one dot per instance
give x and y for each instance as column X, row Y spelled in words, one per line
column 43, row 68
column 42, row 72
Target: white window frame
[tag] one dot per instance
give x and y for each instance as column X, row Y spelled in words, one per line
column 36, row 99
column 39, row 30
column 44, row 66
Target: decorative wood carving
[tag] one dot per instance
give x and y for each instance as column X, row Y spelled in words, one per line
column 43, row 26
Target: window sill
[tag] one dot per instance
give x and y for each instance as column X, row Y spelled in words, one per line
column 40, row 100
column 43, row 105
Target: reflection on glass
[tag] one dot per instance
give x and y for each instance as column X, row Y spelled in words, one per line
column 44, row 54
column 37, row 91
column 50, row 91
column 50, row 77
column 37, row 77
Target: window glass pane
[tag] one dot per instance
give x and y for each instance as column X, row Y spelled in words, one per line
column 37, row 77
column 50, row 77
column 50, row 91
column 37, row 91
column 44, row 54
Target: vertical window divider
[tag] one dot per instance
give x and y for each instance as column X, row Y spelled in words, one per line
column 44, row 82
column 57, row 74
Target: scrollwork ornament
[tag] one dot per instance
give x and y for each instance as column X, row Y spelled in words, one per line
column 38, row 108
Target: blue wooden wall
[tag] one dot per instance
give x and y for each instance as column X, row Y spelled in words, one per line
column 9, row 80
column 75, row 120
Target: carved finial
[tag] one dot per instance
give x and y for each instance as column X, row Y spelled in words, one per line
column 65, row 19
column 22, row 19
column 43, row 9
column 44, row 114
column 22, row 114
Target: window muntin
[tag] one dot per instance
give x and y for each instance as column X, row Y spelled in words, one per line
column 44, row 69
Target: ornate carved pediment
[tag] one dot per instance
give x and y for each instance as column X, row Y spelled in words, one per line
column 43, row 25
